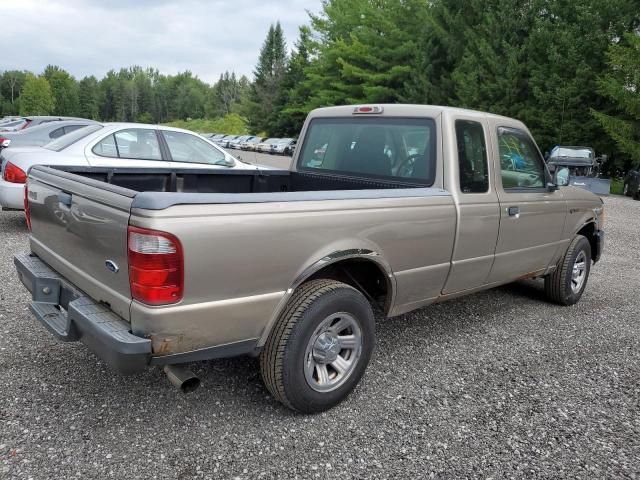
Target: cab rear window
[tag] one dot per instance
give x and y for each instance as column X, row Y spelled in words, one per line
column 398, row 149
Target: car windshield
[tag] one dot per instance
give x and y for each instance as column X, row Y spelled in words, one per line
column 12, row 124
column 400, row 149
column 572, row 152
column 67, row 140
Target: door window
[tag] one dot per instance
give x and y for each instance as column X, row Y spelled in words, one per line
column 520, row 161
column 139, row 144
column 188, row 148
column 472, row 157
column 133, row 143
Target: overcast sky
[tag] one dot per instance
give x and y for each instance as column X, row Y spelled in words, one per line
column 90, row 37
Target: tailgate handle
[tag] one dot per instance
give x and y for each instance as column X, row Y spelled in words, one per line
column 64, row 198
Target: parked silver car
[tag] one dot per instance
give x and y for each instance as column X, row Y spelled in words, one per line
column 108, row 145
column 41, row 134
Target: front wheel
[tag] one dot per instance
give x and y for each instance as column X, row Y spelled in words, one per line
column 320, row 346
column 566, row 285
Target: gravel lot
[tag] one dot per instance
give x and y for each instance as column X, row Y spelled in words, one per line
column 499, row 384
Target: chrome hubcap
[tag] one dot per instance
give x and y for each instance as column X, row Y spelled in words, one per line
column 579, row 272
column 332, row 352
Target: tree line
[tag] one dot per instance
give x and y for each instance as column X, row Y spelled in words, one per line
column 570, row 70
column 129, row 95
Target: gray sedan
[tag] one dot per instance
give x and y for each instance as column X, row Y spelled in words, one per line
column 41, row 134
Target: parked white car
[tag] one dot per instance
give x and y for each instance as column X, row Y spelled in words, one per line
column 112, row 145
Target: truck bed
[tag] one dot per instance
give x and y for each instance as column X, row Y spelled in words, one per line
column 226, row 181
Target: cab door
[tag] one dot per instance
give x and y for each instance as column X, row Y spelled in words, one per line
column 477, row 203
column 531, row 217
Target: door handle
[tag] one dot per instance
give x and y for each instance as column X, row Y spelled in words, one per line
column 514, row 211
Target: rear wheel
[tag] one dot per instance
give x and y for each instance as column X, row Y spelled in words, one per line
column 320, row 346
column 566, row 285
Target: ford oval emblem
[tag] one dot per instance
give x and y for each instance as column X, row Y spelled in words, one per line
column 112, row 266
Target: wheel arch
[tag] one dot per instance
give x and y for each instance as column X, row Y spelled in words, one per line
column 588, row 230
column 363, row 269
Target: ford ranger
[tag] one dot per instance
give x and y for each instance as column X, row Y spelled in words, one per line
column 386, row 208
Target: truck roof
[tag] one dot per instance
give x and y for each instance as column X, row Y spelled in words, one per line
column 399, row 110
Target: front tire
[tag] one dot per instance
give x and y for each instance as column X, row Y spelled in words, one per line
column 320, row 346
column 566, row 285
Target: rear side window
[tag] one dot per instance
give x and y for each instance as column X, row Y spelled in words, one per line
column 67, row 140
column 58, row 132
column 399, row 149
column 72, row 128
column 521, row 164
column 133, row 143
column 106, row 147
column 472, row 157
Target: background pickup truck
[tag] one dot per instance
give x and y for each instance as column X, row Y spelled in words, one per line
column 386, row 208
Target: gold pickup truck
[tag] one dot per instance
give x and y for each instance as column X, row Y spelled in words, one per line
column 386, row 208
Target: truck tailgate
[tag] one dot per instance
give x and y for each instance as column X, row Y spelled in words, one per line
column 79, row 228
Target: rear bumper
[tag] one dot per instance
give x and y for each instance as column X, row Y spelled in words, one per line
column 599, row 236
column 11, row 195
column 72, row 316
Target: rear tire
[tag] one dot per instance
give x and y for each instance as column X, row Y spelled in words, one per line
column 320, row 346
column 566, row 285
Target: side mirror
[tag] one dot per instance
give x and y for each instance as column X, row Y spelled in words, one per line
column 561, row 177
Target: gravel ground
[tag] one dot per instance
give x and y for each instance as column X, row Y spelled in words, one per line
column 498, row 384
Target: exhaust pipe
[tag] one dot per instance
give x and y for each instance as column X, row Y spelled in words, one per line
column 182, row 377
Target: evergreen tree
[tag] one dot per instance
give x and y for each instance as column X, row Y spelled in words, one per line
column 566, row 53
column 366, row 51
column 492, row 72
column 36, row 97
column 226, row 95
column 290, row 112
column 269, row 74
column 622, row 85
column 64, row 89
column 88, row 98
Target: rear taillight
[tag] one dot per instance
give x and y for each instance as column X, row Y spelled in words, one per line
column 4, row 142
column 156, row 273
column 27, row 212
column 13, row 174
